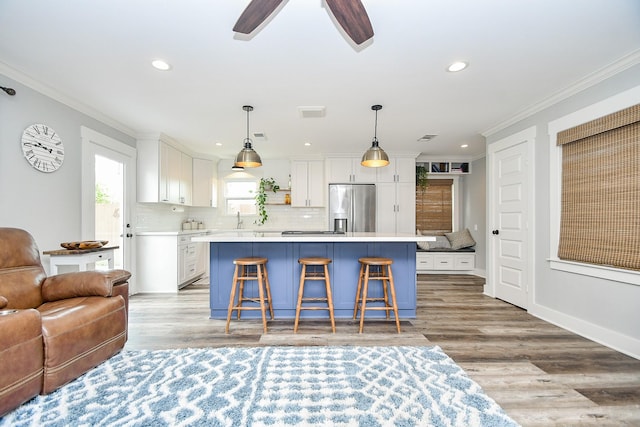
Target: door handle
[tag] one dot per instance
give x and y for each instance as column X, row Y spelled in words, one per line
column 496, row 232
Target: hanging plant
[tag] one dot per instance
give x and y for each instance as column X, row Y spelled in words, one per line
column 422, row 176
column 266, row 184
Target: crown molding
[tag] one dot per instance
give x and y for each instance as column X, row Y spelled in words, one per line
column 52, row 93
column 586, row 82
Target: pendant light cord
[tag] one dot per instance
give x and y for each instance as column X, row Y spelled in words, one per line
column 375, row 128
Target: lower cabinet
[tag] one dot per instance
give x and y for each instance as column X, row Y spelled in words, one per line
column 437, row 262
column 166, row 263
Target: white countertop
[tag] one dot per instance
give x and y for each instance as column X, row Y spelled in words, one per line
column 229, row 236
column 173, row 233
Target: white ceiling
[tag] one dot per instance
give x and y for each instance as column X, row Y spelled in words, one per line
column 521, row 52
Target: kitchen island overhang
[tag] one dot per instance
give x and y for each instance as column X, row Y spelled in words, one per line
column 283, row 252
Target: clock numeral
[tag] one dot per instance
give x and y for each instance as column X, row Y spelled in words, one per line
column 46, row 130
column 29, row 153
column 60, row 152
column 57, row 160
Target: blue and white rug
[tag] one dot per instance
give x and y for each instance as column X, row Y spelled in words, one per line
column 269, row 386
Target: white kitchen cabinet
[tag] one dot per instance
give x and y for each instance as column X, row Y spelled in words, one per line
column 186, row 179
column 163, row 173
column 307, row 183
column 396, row 208
column 342, row 170
column 399, row 169
column 204, row 189
column 167, row 262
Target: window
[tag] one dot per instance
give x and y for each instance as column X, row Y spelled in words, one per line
column 434, row 207
column 600, row 215
column 240, row 196
column 595, row 111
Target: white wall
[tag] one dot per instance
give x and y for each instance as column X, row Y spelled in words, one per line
column 45, row 204
column 603, row 310
column 474, row 215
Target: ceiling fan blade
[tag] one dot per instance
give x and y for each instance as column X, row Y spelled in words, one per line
column 353, row 18
column 255, row 14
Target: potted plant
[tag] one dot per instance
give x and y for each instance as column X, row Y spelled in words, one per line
column 422, row 176
column 266, row 184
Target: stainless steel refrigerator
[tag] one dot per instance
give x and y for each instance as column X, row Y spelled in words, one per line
column 352, row 207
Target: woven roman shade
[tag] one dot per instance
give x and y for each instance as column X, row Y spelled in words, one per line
column 600, row 213
column 434, row 208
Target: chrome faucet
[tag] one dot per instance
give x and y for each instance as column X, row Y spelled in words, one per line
column 239, row 224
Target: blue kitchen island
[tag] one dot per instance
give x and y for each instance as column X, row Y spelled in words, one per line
column 283, row 252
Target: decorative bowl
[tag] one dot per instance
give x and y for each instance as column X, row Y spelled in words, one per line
column 85, row 244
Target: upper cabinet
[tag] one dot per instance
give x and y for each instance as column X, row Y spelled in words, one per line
column 204, row 178
column 341, row 170
column 164, row 173
column 448, row 167
column 399, row 169
column 307, row 183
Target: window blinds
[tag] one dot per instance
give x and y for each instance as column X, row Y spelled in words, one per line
column 600, row 210
column 434, row 208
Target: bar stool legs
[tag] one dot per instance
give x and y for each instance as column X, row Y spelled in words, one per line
column 376, row 269
column 314, row 275
column 242, row 273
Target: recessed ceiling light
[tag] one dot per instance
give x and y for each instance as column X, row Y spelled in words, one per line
column 161, row 65
column 457, row 66
column 307, row 144
column 464, row 145
column 218, row 144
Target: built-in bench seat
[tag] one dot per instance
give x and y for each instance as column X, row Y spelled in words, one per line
column 446, row 250
column 440, row 260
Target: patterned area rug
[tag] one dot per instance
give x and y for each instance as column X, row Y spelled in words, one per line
column 269, row 386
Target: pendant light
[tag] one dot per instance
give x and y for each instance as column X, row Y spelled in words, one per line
column 375, row 156
column 247, row 157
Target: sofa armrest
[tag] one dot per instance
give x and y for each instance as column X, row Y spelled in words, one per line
column 83, row 284
column 3, row 302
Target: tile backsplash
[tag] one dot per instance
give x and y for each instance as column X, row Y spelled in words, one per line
column 165, row 217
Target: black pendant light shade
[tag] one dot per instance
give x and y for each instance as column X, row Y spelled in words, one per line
column 375, row 156
column 247, row 157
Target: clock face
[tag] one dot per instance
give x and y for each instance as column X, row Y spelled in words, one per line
column 42, row 147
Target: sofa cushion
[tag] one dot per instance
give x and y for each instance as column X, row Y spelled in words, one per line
column 21, row 358
column 78, row 334
column 460, row 239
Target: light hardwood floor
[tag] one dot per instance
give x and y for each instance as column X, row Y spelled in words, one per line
column 540, row 374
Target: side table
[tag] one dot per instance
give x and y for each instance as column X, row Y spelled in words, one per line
column 79, row 257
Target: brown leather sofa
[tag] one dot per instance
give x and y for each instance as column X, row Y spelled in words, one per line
column 53, row 329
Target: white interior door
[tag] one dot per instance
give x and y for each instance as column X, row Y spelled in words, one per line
column 108, row 196
column 511, row 201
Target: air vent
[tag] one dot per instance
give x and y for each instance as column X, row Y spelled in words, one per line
column 311, row 112
column 260, row 136
column 426, row 138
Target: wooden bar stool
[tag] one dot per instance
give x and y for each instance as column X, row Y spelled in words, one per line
column 310, row 271
column 253, row 268
column 372, row 268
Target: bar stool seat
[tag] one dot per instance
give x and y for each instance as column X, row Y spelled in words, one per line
column 243, row 273
column 376, row 268
column 308, row 272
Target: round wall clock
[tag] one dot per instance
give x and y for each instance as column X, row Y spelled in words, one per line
column 42, row 147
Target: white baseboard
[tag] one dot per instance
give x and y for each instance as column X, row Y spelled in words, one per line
column 615, row 340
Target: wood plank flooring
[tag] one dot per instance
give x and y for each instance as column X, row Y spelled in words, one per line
column 542, row 375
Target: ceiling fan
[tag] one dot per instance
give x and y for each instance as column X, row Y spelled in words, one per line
column 350, row 14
